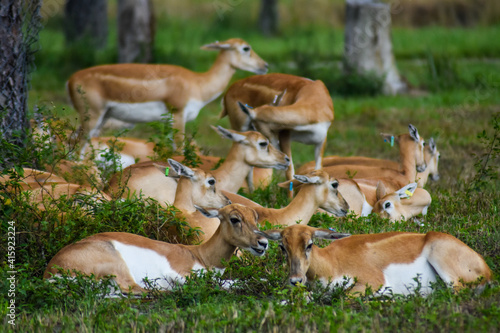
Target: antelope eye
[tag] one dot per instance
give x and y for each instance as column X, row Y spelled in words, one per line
column 309, row 247
column 387, row 205
column 263, row 144
column 246, row 48
column 234, row 220
column 335, row 185
column 282, row 247
column 211, row 182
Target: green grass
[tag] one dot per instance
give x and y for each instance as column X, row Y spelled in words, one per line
column 458, row 102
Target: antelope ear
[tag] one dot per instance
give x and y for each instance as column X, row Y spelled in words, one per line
column 329, row 234
column 407, row 191
column 163, row 169
column 287, row 184
column 432, row 145
column 181, row 169
column 229, row 134
column 274, row 235
column 278, row 98
column 380, row 191
column 246, row 109
column 414, row 132
column 217, row 46
column 210, row 213
column 307, row 180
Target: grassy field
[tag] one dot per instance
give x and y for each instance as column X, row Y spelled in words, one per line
column 457, row 74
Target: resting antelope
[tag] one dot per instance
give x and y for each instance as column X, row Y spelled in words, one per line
column 403, row 204
column 284, row 108
column 431, row 158
column 248, row 149
column 137, row 93
column 386, row 261
column 31, row 179
column 315, row 190
column 411, row 159
column 131, row 258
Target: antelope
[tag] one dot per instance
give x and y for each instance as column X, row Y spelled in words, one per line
column 132, row 259
column 403, row 204
column 317, row 190
column 136, row 93
column 55, row 191
column 365, row 197
column 130, row 150
column 284, row 108
column 386, row 262
column 248, row 149
column 411, row 157
column 31, row 179
column 431, row 158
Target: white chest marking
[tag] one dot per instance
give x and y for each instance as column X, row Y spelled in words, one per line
column 311, row 134
column 193, row 107
column 401, row 277
column 366, row 209
column 136, row 112
column 145, row 263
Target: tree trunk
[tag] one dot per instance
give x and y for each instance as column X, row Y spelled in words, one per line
column 135, row 30
column 87, row 19
column 14, row 63
column 368, row 45
column 268, row 17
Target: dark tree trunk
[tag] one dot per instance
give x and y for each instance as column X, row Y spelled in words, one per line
column 14, row 63
column 87, row 19
column 368, row 45
column 268, row 17
column 135, row 30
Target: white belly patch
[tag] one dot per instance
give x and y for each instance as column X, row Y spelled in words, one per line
column 145, row 263
column 136, row 112
column 311, row 134
column 400, row 278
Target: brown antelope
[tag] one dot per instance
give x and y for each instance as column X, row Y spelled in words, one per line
column 130, row 150
column 136, row 93
column 248, row 149
column 283, row 107
column 431, row 158
column 132, row 259
column 387, row 262
column 316, row 190
column 55, row 191
column 366, row 197
column 411, row 157
column 31, row 179
column 403, row 204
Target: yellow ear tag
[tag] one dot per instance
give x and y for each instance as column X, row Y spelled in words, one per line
column 410, row 194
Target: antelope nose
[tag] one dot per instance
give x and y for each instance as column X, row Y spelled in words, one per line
column 263, row 242
column 294, row 280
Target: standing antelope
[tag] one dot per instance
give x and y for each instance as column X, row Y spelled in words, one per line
column 131, row 258
column 387, row 261
column 284, row 108
column 137, row 93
